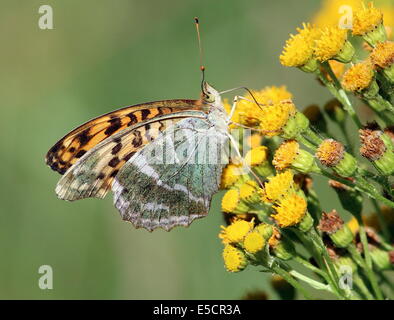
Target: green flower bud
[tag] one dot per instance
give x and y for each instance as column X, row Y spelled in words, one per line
column 376, row 35
column 310, row 66
column 265, row 229
column 284, row 250
column 346, row 54
column 378, row 148
column 332, row 154
column 332, row 224
column 306, row 223
column 295, row 126
column 381, row 259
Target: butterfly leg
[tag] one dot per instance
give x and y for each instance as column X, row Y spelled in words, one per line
column 244, row 164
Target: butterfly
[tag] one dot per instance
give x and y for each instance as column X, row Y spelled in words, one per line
column 162, row 160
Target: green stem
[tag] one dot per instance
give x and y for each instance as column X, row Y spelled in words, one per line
column 368, row 260
column 306, row 143
column 363, row 288
column 337, row 91
column 289, row 278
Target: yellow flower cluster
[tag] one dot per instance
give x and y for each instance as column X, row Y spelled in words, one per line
column 274, row 117
column 330, row 43
column 286, row 154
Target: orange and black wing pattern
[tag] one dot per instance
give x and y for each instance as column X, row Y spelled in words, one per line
column 68, row 150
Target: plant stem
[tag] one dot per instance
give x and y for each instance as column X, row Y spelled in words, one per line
column 289, row 278
column 382, row 220
column 368, row 260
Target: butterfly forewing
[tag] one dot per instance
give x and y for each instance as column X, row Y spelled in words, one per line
column 93, row 174
column 78, row 142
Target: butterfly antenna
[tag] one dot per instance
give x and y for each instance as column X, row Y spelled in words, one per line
column 202, row 68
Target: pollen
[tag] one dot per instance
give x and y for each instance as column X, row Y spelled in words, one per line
column 234, row 259
column 236, row 231
column 256, row 156
column 278, row 186
column 286, row 154
column 366, row 20
column 274, row 117
column 330, row 43
column 358, row 77
column 254, row 242
column 383, row 54
column 290, row 211
column 330, row 152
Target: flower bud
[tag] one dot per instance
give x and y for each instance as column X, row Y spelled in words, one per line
column 378, row 148
column 332, row 154
column 284, row 249
column 234, row 259
column 332, row 224
column 380, row 258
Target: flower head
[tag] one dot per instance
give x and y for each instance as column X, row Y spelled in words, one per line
column 256, row 156
column 230, row 200
column 330, row 222
column 290, row 210
column 234, row 259
column 236, row 231
column 278, row 186
column 274, row 117
column 298, row 50
column 358, row 77
column 249, row 113
column 366, row 20
column 330, row 152
column 331, row 42
column 250, row 192
column 382, row 55
column 254, row 242
column 231, row 174
column 286, row 154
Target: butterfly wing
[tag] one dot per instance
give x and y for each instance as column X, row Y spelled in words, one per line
column 68, row 150
column 177, row 186
column 93, row 174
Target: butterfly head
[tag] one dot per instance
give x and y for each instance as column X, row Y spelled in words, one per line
column 209, row 94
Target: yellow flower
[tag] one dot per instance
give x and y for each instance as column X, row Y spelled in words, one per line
column 256, row 156
column 273, row 94
column 290, row 210
column 231, row 174
column 366, row 20
column 383, row 54
column 331, row 42
column 236, row 231
column 249, row 113
column 286, row 154
column 230, row 200
column 297, row 51
column 254, row 242
column 274, row 117
column 234, row 259
column 358, row 77
column 249, row 190
column 278, row 186
column 330, row 152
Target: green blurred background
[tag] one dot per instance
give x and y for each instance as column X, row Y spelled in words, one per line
column 103, row 55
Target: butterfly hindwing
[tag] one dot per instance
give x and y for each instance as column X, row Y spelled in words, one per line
column 177, row 187
column 75, row 144
column 93, row 174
